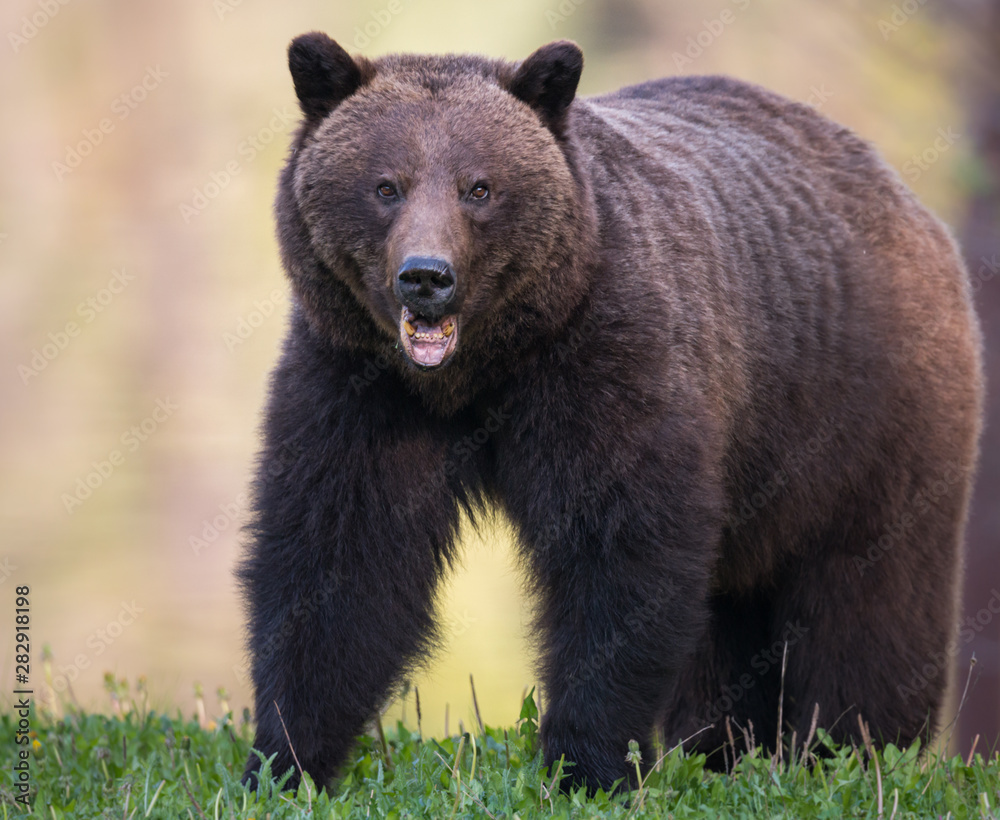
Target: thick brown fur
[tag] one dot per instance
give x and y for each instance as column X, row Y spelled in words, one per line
column 715, row 363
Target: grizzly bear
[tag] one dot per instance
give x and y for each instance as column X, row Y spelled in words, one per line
column 699, row 345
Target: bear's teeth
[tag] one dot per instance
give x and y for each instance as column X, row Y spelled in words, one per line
column 448, row 329
column 410, row 329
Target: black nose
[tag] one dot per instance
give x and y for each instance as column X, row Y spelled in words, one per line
column 426, row 285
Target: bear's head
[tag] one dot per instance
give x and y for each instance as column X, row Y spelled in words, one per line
column 431, row 210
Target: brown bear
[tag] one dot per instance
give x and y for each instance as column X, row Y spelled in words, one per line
column 698, row 343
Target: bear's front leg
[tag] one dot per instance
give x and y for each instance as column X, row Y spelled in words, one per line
column 621, row 552
column 354, row 519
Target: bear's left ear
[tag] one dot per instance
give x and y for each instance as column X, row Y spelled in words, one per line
column 323, row 73
column 547, row 81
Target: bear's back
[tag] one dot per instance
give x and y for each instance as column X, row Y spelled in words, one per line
column 792, row 274
column 758, row 213
column 736, row 148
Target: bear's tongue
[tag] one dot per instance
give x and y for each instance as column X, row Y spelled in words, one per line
column 427, row 345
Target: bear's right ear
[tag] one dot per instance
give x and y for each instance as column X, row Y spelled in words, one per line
column 323, row 73
column 547, row 81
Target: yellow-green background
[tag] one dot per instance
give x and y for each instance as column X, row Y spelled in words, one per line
column 163, row 336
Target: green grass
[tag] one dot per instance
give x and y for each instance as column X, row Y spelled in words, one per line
column 140, row 764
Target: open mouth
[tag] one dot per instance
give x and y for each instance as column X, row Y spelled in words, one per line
column 428, row 345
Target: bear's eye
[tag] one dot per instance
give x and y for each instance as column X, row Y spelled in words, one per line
column 386, row 190
column 480, row 191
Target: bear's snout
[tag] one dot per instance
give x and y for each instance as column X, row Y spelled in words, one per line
column 426, row 285
column 428, row 328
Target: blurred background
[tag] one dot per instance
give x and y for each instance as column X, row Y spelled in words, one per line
column 143, row 301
